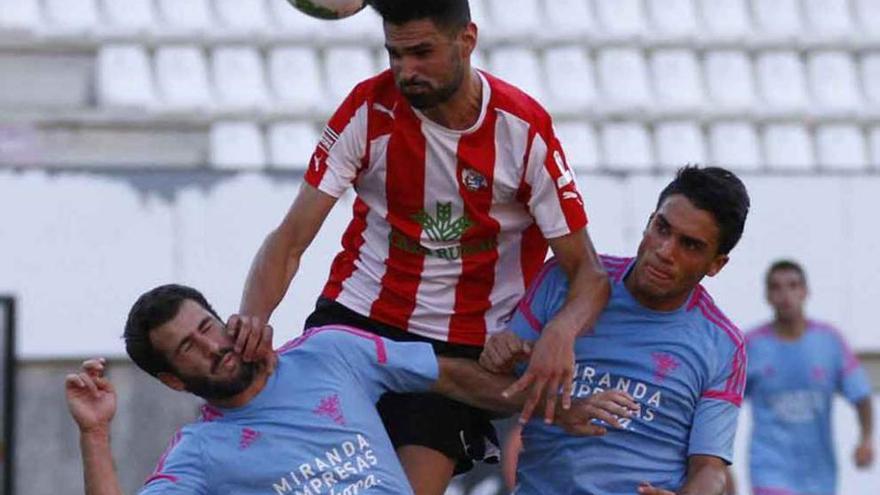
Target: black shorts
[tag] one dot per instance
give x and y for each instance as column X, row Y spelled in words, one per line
column 463, row 433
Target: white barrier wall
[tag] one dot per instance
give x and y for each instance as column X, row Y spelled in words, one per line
column 77, row 248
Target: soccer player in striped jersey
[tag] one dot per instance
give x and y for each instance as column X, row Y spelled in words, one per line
column 461, row 185
column 661, row 339
column 796, row 366
column 305, row 426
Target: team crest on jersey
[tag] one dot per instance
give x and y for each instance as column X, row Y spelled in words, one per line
column 330, row 408
column 473, row 180
column 664, row 364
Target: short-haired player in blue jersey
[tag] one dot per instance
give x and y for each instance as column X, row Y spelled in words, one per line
column 796, row 366
column 302, row 424
column 661, row 339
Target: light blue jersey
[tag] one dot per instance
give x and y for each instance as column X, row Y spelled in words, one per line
column 791, row 385
column 312, row 430
column 685, row 367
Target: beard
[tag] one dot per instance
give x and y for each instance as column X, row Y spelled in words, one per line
column 210, row 388
column 431, row 96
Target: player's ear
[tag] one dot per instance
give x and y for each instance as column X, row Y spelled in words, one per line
column 717, row 264
column 171, row 381
column 468, row 39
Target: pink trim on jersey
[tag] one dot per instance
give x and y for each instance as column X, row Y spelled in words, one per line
column 381, row 352
column 210, row 413
column 616, row 266
column 467, row 324
column 850, row 360
column 735, row 386
column 160, row 464
column 404, row 192
column 525, row 305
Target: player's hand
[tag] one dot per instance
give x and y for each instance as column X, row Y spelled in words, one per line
column 550, row 367
column 608, row 406
column 91, row 397
column 645, row 488
column 503, row 351
column 864, row 454
column 253, row 340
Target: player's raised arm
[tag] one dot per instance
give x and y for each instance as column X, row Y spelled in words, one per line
column 92, row 403
column 278, row 259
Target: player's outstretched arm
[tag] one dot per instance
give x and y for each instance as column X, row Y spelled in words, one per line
column 468, row 382
column 707, row 475
column 552, row 362
column 92, row 403
column 278, row 259
column 864, row 454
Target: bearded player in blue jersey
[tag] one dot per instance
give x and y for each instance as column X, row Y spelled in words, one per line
column 796, row 366
column 302, row 424
column 662, row 340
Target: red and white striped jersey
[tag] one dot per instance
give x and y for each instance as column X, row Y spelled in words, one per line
column 449, row 227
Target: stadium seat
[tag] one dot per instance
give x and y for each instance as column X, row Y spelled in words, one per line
column 343, row 69
column 295, row 77
column 871, row 78
column 67, row 17
column 482, row 18
column 841, row 146
column 833, row 81
column 291, row 144
column 239, row 78
column 677, row 80
column 679, row 143
column 571, row 83
column 868, row 14
column 874, row 145
column 182, row 77
column 781, row 79
column 623, row 77
column 828, row 17
column 293, row 24
column 788, row 147
column 579, row 142
column 673, row 17
column 519, row 66
column 778, row 17
column 569, row 18
column 729, row 79
column 188, row 16
column 125, row 16
column 136, row 88
column 237, row 145
column 516, row 19
column 626, row 146
column 735, row 145
column 725, row 18
column 621, row 18
column 242, row 16
column 364, row 28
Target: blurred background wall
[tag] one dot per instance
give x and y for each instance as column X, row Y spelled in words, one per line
column 148, row 141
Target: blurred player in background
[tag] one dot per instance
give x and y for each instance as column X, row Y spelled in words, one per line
column 662, row 339
column 307, row 425
column 461, row 185
column 796, row 366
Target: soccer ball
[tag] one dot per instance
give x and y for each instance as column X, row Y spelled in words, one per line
column 328, row 9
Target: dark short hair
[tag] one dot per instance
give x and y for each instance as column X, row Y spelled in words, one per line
column 153, row 309
column 446, row 14
column 718, row 191
column 785, row 265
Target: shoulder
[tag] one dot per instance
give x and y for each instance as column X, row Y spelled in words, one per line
column 509, row 99
column 759, row 334
column 616, row 266
column 332, row 339
column 828, row 333
column 717, row 325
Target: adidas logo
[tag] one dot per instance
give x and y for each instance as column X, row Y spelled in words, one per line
column 248, row 437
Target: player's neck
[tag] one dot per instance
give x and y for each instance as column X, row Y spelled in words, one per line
column 790, row 328
column 246, row 395
column 462, row 110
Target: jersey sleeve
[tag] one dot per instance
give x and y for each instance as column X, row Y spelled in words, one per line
column 852, row 379
column 383, row 365
column 717, row 411
column 335, row 163
column 180, row 469
column 542, row 301
column 554, row 200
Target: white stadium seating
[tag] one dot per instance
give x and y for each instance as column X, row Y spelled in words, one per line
column 736, row 145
